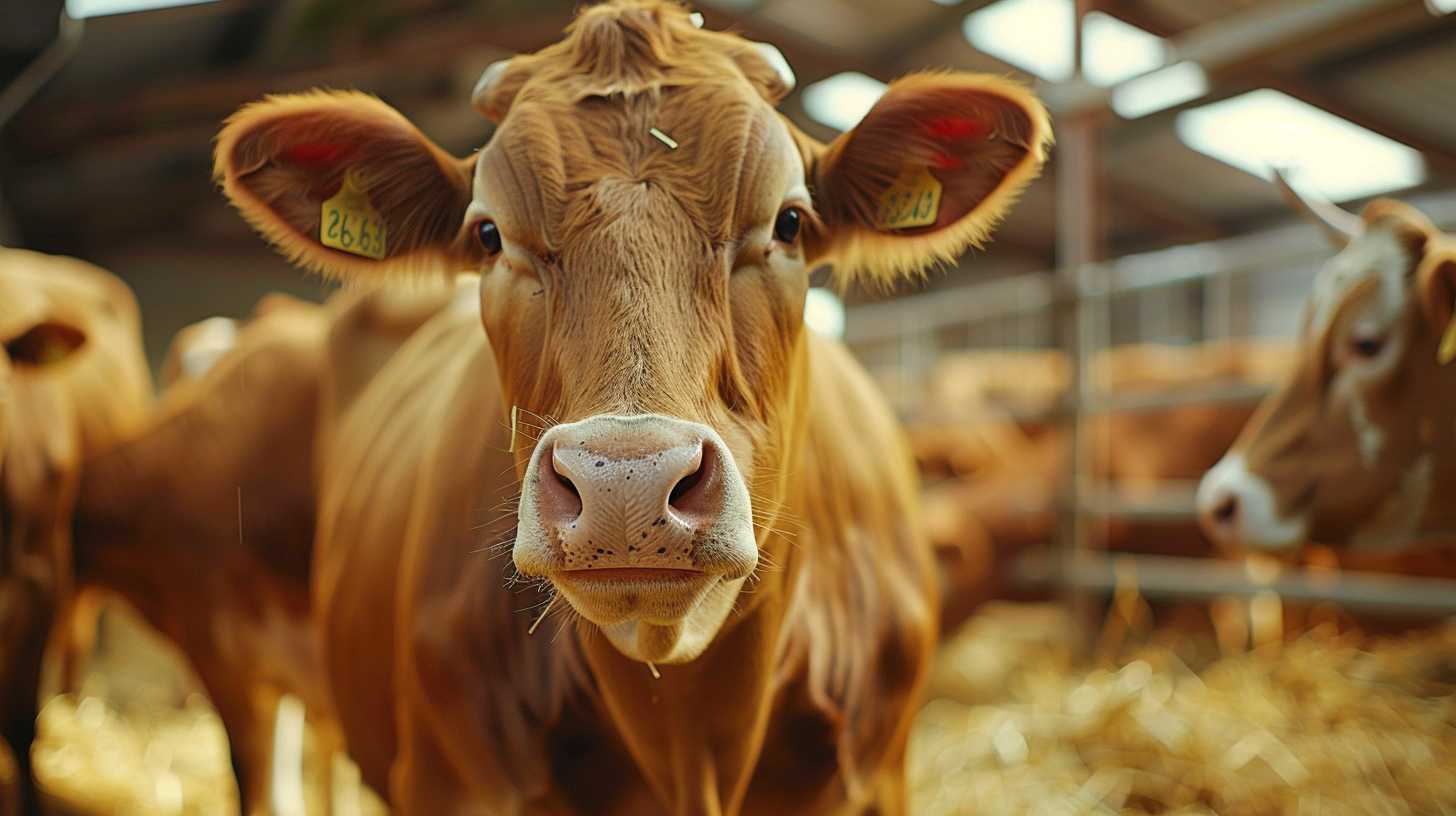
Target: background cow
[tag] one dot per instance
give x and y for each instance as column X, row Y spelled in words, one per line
column 72, row 379
column 705, row 485
column 1357, row 449
column 198, row 513
column 203, row 521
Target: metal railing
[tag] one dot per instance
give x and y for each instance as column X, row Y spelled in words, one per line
column 912, row 323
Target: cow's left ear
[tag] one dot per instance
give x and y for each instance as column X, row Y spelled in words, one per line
column 1436, row 286
column 928, row 172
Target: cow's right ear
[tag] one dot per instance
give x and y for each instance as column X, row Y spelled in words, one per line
column 1436, row 285
column 345, row 186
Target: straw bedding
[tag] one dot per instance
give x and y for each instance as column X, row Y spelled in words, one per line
column 1327, row 723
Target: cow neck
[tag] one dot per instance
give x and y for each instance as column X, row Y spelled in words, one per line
column 1438, row 416
column 696, row 731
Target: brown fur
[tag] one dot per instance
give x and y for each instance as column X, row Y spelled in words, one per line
column 635, row 279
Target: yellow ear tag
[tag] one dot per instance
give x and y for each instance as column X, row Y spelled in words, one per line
column 912, row 201
column 1447, row 352
column 350, row 223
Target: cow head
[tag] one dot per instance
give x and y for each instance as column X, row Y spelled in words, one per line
column 39, row 335
column 1345, row 452
column 644, row 224
column 38, row 454
column 72, row 379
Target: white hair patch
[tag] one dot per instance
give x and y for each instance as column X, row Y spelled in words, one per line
column 1370, row 436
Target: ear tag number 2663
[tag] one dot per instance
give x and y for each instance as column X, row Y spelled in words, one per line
column 912, row 201
column 350, row 223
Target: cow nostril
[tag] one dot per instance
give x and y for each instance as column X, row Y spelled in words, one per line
column 1226, row 510
column 570, row 488
column 685, row 486
column 688, row 496
column 561, row 491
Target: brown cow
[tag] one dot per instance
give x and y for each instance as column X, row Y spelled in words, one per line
column 1357, row 449
column 704, row 486
column 203, row 520
column 72, row 379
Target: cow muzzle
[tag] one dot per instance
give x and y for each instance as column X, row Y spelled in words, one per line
column 638, row 521
column 1238, row 510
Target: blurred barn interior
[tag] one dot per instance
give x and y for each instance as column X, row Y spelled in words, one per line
column 1064, row 387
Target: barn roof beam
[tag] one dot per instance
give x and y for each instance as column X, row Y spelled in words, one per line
column 1237, row 41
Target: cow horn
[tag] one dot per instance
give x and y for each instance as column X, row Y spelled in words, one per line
column 1338, row 225
column 486, row 85
column 775, row 59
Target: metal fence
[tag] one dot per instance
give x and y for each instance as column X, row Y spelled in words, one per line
column 1252, row 285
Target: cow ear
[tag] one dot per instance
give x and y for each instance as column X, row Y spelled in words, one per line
column 345, row 186
column 1436, row 285
column 45, row 343
column 928, row 172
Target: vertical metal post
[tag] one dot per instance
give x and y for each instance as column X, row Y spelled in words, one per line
column 1078, row 214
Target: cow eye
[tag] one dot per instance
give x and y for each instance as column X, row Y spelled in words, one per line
column 488, row 234
column 1367, row 346
column 786, row 228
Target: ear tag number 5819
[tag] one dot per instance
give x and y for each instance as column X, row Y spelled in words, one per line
column 348, row 222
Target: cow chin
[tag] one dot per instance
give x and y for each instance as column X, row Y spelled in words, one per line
column 664, row 635
column 643, row 525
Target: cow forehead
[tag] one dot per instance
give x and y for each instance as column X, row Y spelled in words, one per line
column 21, row 303
column 555, row 171
column 1378, row 256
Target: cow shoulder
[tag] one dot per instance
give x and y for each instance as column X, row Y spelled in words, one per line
column 385, row 432
column 862, row 623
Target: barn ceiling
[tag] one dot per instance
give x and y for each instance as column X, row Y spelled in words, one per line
column 114, row 152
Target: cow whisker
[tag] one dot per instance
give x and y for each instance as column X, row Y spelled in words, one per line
column 544, row 612
column 495, row 549
column 546, row 418
column 506, row 469
column 500, row 548
column 569, row 616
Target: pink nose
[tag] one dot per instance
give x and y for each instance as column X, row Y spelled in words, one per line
column 1220, row 517
column 617, row 493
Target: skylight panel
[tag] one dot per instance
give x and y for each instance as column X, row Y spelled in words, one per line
column 1264, row 128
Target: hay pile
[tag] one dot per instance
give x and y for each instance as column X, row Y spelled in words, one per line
column 1327, row 723
column 140, row 738
column 92, row 758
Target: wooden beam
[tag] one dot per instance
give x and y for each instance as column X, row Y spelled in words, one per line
column 890, row 59
column 63, row 126
column 1138, row 14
